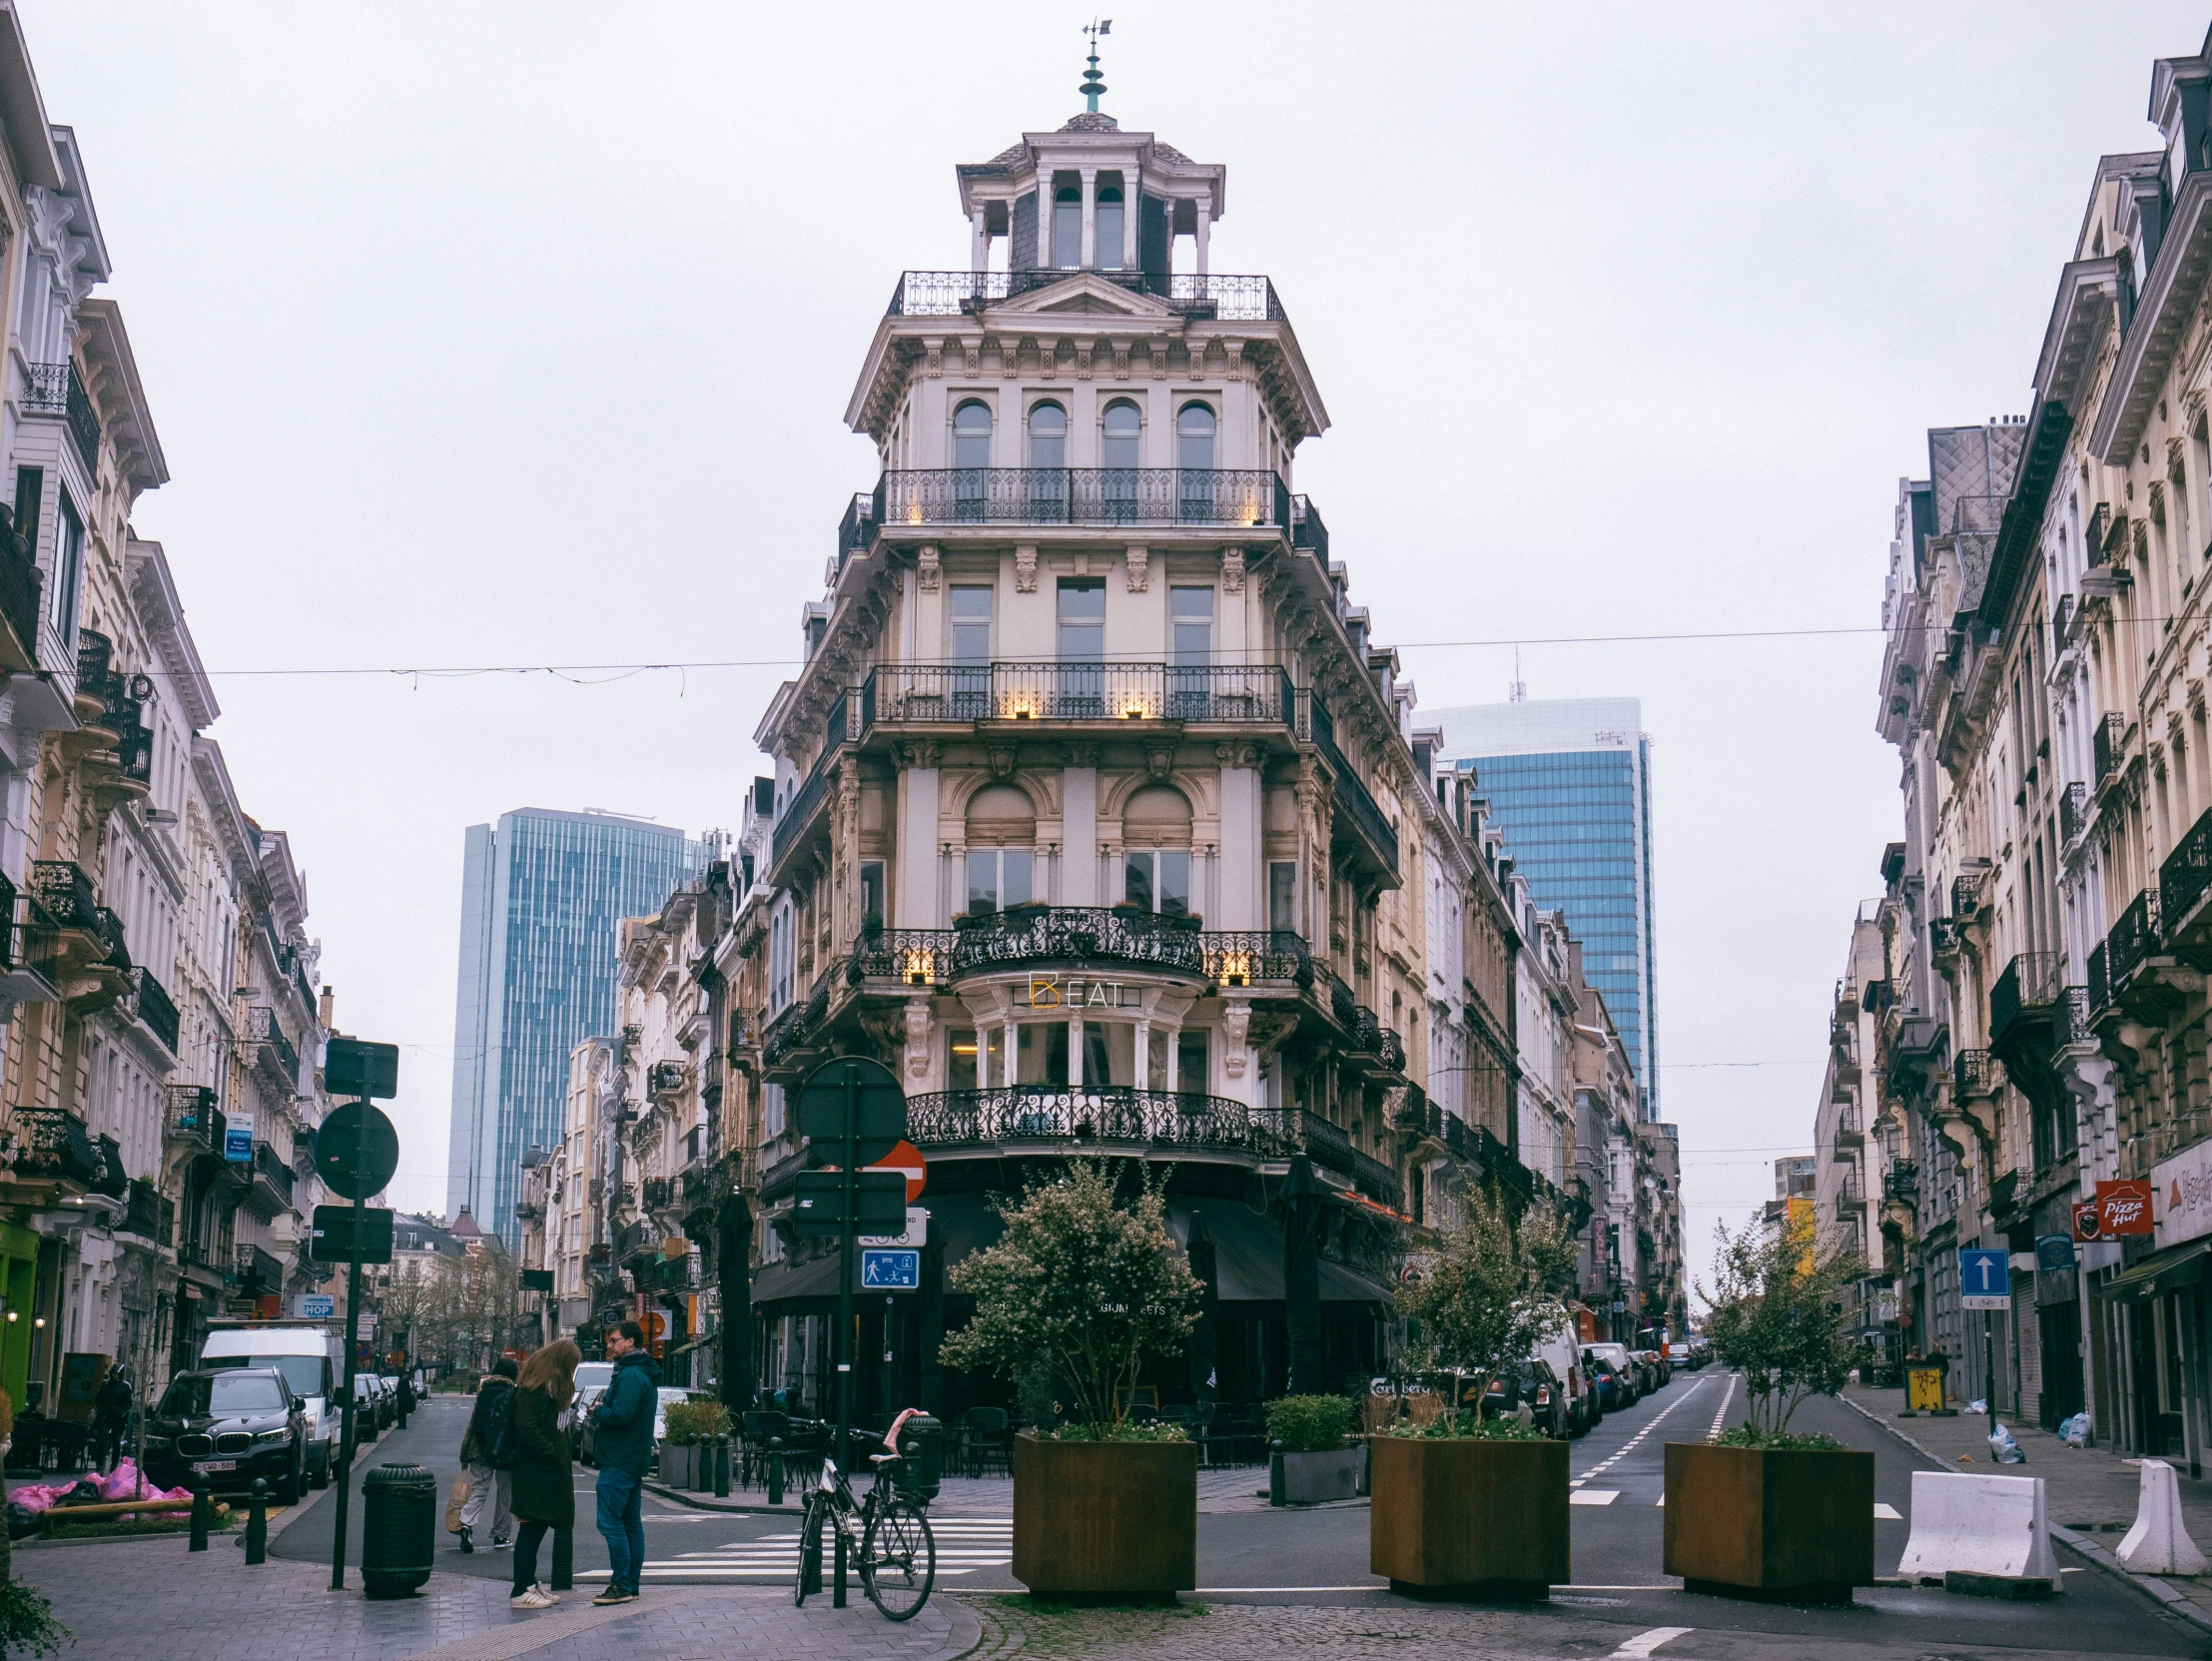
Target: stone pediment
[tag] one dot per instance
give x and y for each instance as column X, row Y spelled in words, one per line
column 1086, row 294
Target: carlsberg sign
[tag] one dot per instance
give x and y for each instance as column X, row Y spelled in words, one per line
column 2182, row 1192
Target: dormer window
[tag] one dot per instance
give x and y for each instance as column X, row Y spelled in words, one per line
column 1067, row 227
column 1108, row 228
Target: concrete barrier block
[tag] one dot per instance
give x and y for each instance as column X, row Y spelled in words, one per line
column 2159, row 1542
column 1979, row 1525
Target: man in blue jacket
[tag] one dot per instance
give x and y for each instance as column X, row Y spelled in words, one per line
column 622, row 1441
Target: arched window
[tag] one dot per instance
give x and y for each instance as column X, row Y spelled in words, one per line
column 1155, row 837
column 1002, row 838
column 971, row 434
column 1047, row 436
column 1195, row 436
column 1110, row 228
column 1120, row 431
column 1067, row 227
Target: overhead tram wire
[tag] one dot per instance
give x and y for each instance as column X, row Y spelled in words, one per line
column 623, row 670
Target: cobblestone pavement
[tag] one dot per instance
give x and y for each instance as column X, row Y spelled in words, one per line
column 130, row 1599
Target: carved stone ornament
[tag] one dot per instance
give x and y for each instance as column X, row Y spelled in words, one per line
column 1002, row 758
column 929, row 573
column 1236, row 350
column 1232, row 571
column 1083, row 352
column 1122, row 360
column 1010, row 358
column 1196, row 351
column 1138, row 560
column 919, row 755
column 919, row 1027
column 1236, row 1025
column 1236, row 755
column 972, row 351
column 1025, row 570
column 1159, row 350
column 1159, row 761
column 936, row 345
column 1082, row 755
column 1048, row 357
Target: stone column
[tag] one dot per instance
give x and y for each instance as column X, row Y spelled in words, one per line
column 1132, row 209
column 1078, row 837
column 1089, row 219
column 919, row 901
column 1205, row 219
column 1243, row 866
column 979, row 241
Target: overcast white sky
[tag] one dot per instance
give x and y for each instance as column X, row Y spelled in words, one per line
column 504, row 334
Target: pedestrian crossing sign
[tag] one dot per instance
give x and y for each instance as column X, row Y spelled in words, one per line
column 890, row 1269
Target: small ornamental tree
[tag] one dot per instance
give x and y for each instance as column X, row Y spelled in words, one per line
column 1084, row 1282
column 1486, row 1294
column 1779, row 1315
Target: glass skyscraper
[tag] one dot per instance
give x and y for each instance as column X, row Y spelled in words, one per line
column 542, row 898
column 1569, row 784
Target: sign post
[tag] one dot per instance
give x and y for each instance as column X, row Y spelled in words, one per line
column 854, row 1110
column 355, row 1152
column 1985, row 1283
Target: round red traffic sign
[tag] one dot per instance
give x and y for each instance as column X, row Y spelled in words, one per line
column 906, row 1159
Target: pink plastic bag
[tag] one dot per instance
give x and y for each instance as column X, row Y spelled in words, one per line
column 123, row 1482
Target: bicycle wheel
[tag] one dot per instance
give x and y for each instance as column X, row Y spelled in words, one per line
column 897, row 1559
column 810, row 1551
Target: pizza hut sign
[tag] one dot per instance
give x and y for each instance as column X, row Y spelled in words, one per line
column 2182, row 1190
column 2119, row 1211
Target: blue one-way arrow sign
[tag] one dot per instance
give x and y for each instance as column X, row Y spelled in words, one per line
column 1984, row 1277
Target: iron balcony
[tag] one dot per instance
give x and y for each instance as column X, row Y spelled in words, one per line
column 1200, row 295
column 1253, row 498
column 1053, row 690
column 934, row 957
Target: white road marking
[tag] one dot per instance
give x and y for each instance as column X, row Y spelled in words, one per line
column 1644, row 1643
column 964, row 1544
column 1727, row 1397
column 1592, row 1496
column 1628, row 1446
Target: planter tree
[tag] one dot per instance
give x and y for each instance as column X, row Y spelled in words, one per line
column 1085, row 1280
column 1089, row 1285
column 1453, row 1507
column 1779, row 1317
column 1488, row 1292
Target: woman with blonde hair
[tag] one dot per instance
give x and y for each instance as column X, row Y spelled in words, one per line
column 545, row 1488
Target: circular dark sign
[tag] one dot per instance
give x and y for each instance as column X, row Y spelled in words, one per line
column 356, row 1151
column 870, row 1091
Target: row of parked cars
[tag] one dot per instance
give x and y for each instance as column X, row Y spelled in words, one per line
column 1569, row 1386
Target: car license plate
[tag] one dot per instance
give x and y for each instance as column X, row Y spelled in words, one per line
column 203, row 1467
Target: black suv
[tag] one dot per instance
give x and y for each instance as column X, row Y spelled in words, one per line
column 229, row 1426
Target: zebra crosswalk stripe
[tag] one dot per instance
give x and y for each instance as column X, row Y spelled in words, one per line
column 964, row 1544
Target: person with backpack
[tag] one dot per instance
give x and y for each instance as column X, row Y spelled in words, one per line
column 545, row 1485
column 488, row 1449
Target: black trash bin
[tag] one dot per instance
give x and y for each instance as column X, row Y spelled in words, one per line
column 922, row 1465
column 398, row 1528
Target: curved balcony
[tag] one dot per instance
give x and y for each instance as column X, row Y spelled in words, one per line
column 1107, row 496
column 933, row 957
column 1085, row 937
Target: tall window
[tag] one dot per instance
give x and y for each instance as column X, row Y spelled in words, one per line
column 1282, row 890
column 998, row 878
column 1156, row 834
column 1082, row 690
column 1047, row 463
column 1194, row 484
column 1001, row 834
column 69, row 560
column 971, row 461
column 1067, row 227
column 870, row 893
column 971, row 644
column 1110, row 228
column 1190, row 626
column 1120, row 435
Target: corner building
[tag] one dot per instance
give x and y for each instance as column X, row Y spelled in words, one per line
column 1096, row 813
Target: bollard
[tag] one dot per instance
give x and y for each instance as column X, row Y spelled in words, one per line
column 722, row 1466
column 1274, row 1473
column 775, row 1471
column 702, row 1466
column 201, row 1514
column 565, row 1559
column 257, row 1524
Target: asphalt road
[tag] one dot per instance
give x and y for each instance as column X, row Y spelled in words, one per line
column 1319, row 1556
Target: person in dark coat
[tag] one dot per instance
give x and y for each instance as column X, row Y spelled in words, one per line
column 545, row 1488
column 622, row 1442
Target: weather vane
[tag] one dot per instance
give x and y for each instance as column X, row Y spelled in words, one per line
column 1094, row 83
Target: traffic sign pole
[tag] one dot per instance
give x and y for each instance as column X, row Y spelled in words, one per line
column 845, row 1356
column 353, row 1334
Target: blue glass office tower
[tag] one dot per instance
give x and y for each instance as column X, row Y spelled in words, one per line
column 542, row 898
column 1569, row 784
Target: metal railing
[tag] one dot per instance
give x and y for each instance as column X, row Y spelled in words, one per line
column 2032, row 980
column 1349, row 789
column 51, row 1144
column 1967, row 892
column 150, row 1214
column 262, row 1028
column 1974, row 1073
column 157, row 1008
column 1942, row 936
column 2100, row 984
column 56, row 390
column 1308, row 532
column 2108, row 740
column 257, row 1271
column 193, row 1115
column 1902, row 1180
column 808, row 798
column 2073, row 812
column 664, row 1077
column 2183, row 878
column 1078, row 935
column 657, row 1194
column 65, row 895
column 1255, row 957
column 271, row 1168
column 912, row 956
column 2130, row 942
column 1047, row 689
column 1223, row 296
column 1253, row 496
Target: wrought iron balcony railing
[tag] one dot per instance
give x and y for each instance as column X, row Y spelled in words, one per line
column 52, row 1145
column 1249, row 496
column 2032, row 981
column 1351, row 792
column 2073, row 813
column 2130, row 942
column 262, row 1028
column 56, row 390
column 1974, row 1073
column 1308, row 532
column 1196, row 293
column 65, row 895
column 149, row 1215
column 1256, row 958
column 658, row 1192
column 1967, row 892
column 912, row 956
column 269, row 1168
column 2107, row 739
column 1078, row 937
column 258, row 1271
column 2100, row 982
column 1242, row 694
column 2183, row 878
column 1902, row 1180
column 665, row 1078
column 157, row 1008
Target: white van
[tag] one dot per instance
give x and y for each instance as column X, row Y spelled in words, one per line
column 1563, row 1356
column 312, row 1361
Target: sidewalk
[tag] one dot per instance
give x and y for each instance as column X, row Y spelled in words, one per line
column 1236, row 1489
column 125, row 1599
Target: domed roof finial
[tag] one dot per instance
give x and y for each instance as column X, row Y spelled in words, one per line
column 1093, row 81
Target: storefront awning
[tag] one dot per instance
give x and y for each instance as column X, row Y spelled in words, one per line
column 1248, row 1252
column 2161, row 1272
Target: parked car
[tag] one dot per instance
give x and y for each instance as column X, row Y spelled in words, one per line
column 1655, row 1369
column 230, row 1425
column 372, row 1410
column 1563, row 1356
column 1628, row 1385
column 312, row 1361
column 1531, row 1382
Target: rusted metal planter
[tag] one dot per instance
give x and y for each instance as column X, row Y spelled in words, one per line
column 1779, row 1526
column 1106, row 1520
column 1468, row 1518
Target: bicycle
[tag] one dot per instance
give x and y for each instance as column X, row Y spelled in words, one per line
column 888, row 1533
